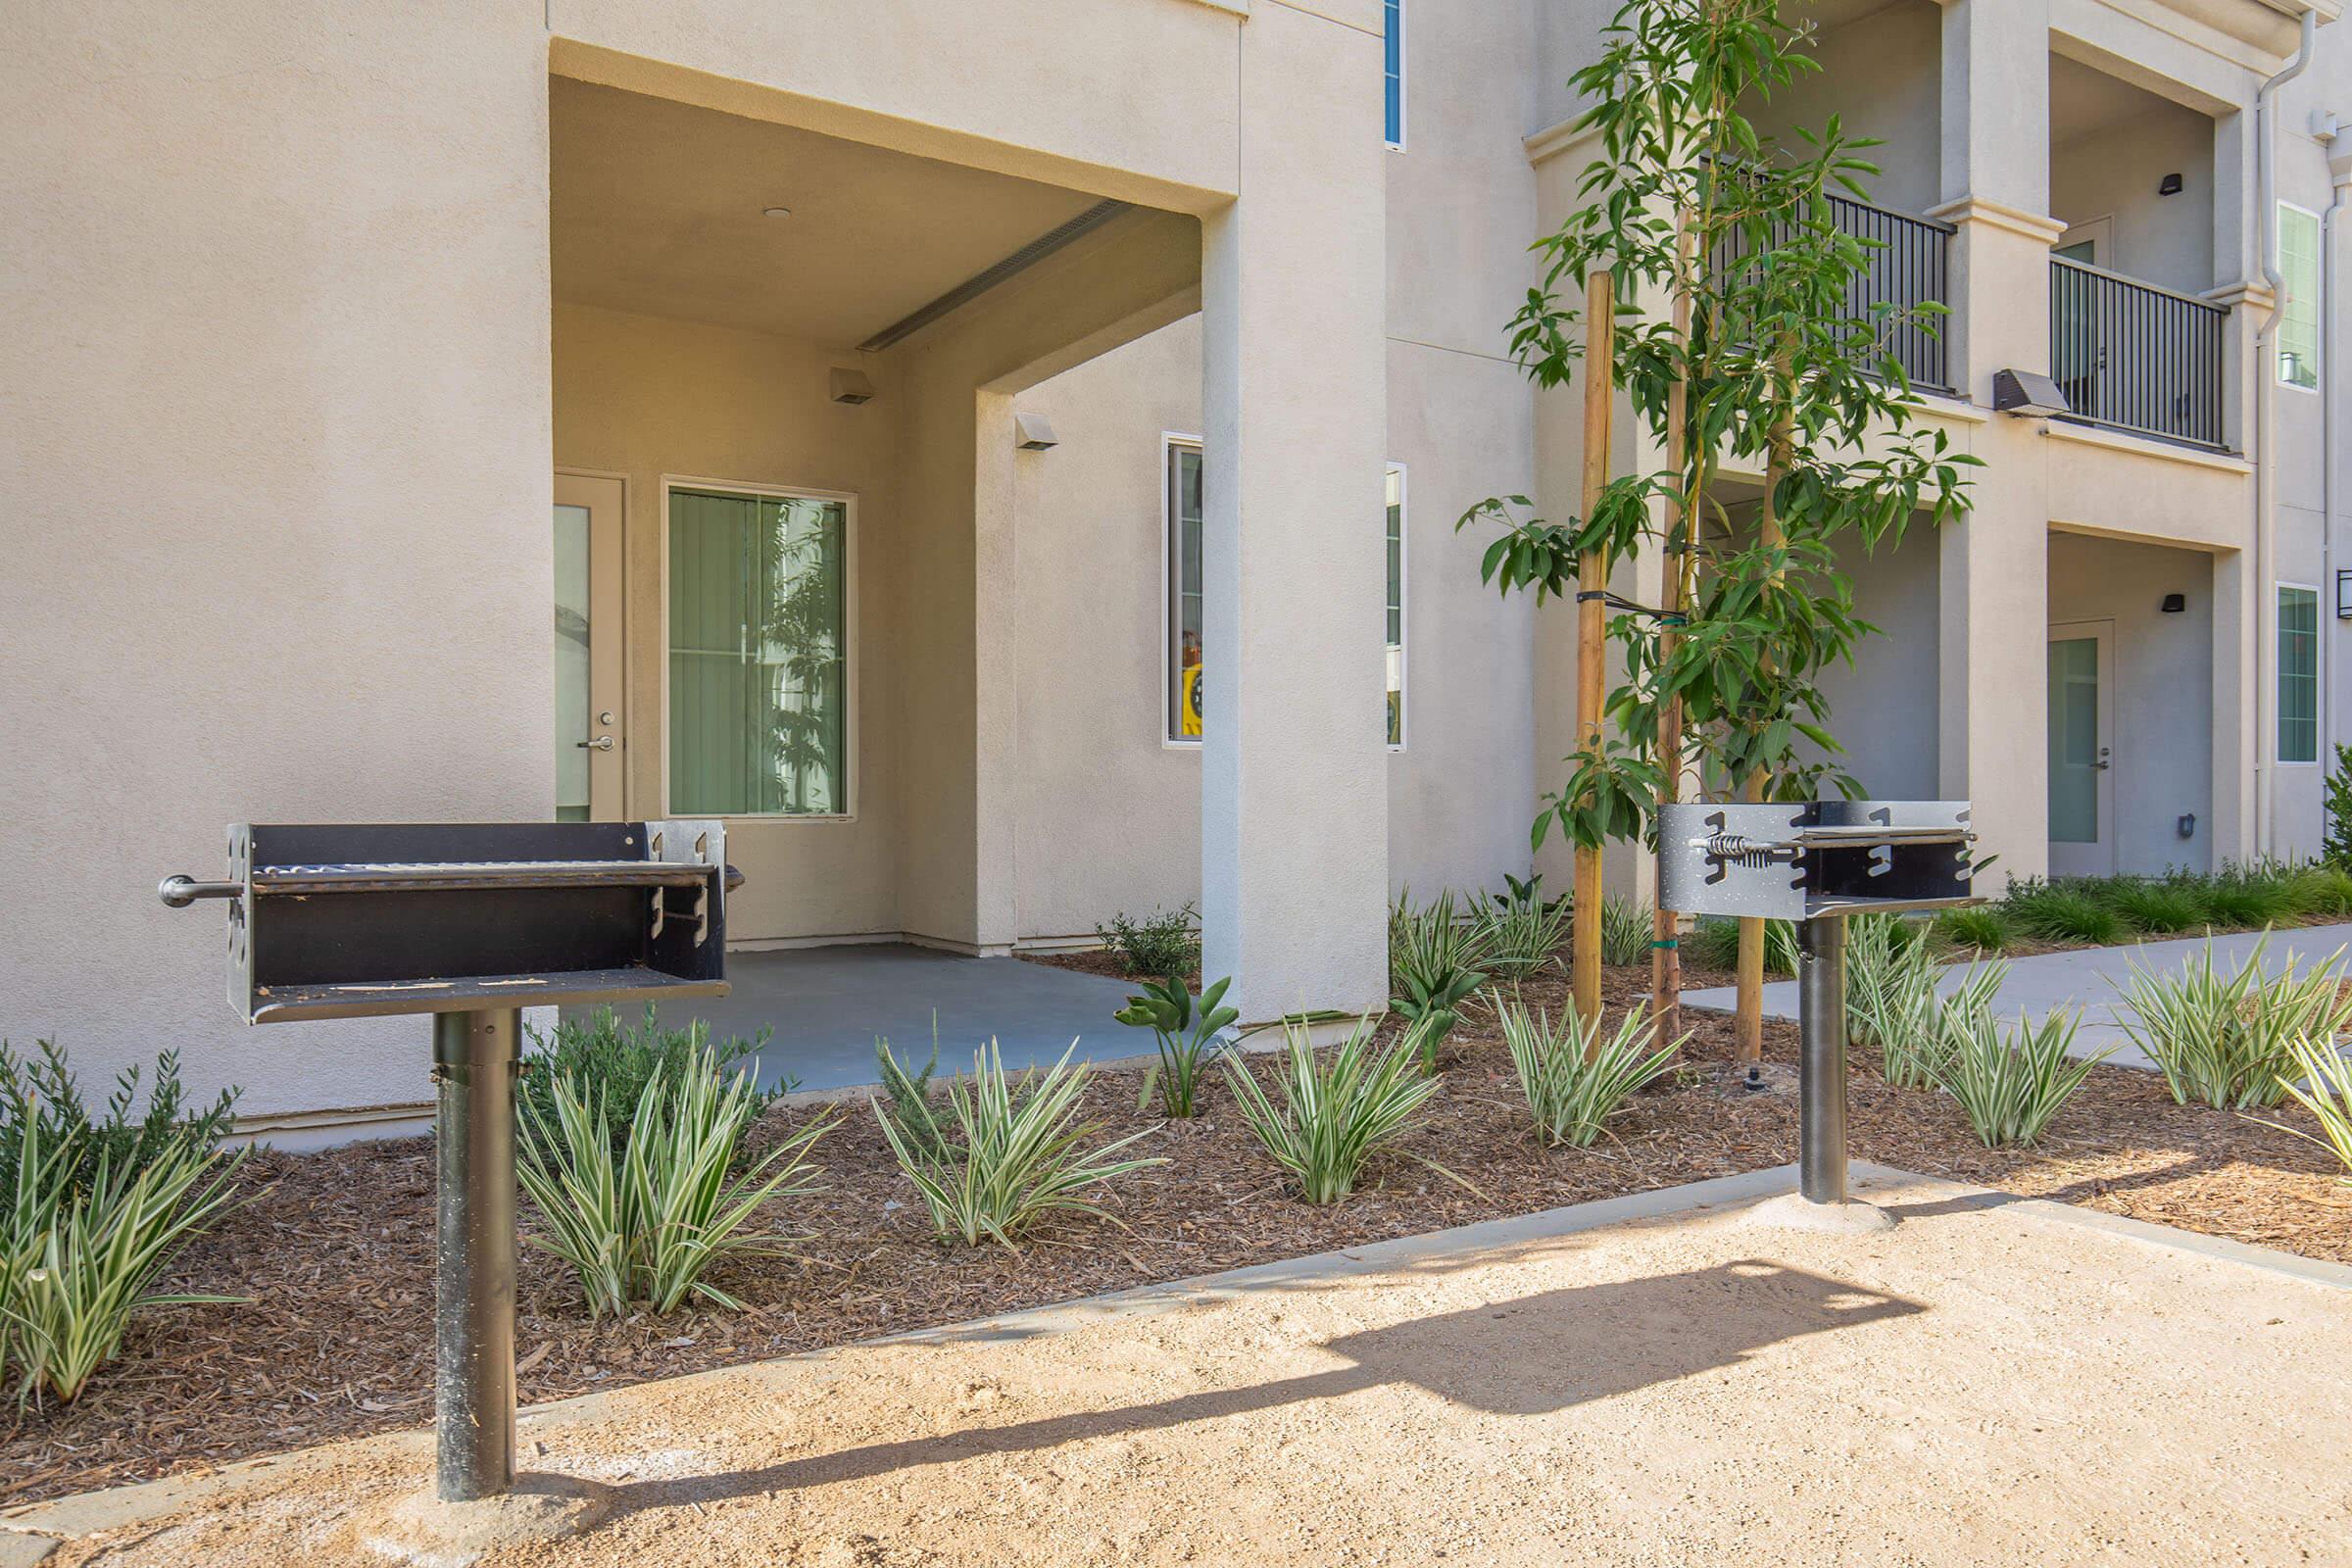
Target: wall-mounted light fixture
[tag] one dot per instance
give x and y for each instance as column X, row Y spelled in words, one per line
column 2173, row 604
column 2187, row 825
column 1033, row 432
column 849, row 387
column 2169, row 185
column 2028, row 392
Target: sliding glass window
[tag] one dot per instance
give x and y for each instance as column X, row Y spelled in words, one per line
column 758, row 664
column 2299, row 302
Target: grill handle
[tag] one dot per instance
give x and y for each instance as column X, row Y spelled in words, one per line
column 181, row 890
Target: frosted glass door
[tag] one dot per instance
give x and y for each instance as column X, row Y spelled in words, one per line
column 2081, row 750
column 589, row 741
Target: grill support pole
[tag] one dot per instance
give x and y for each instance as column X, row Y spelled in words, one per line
column 1820, row 1064
column 476, row 1058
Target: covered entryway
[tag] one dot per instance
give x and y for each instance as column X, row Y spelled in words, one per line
column 2130, row 716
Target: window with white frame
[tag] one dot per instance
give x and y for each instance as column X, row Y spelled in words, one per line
column 2298, row 673
column 1395, row 527
column 759, row 662
column 1185, row 593
column 1393, row 70
column 2299, row 300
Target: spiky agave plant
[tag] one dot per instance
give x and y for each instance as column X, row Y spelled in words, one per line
column 1016, row 1153
column 1568, row 1095
column 2229, row 1040
column 1338, row 1110
column 2011, row 1083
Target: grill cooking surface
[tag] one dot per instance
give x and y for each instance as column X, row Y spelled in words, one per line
column 396, row 876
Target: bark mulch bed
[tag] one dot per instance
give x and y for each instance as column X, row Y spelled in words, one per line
column 334, row 1251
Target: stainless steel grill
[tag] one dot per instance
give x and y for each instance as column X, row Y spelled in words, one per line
column 1815, row 862
column 471, row 923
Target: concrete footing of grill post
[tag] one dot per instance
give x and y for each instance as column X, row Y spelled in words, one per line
column 1821, row 1201
column 424, row 1529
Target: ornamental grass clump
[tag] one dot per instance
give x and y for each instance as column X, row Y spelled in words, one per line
column 645, row 1223
column 1016, row 1155
column 1984, row 929
column 1517, row 933
column 1627, row 926
column 2061, row 912
column 1436, row 960
column 2229, row 1040
column 2157, row 908
column 93, row 1211
column 1338, row 1110
column 2320, row 1082
column 1574, row 1077
column 2011, row 1082
column 2321, row 892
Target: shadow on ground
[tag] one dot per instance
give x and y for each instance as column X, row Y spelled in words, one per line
column 1530, row 1356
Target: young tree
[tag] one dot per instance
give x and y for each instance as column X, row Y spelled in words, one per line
column 1739, row 345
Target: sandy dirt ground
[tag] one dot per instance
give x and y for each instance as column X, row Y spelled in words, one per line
column 1986, row 1384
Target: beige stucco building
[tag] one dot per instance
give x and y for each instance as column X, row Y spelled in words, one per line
column 1003, row 455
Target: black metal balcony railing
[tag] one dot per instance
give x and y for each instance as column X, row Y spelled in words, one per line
column 1905, row 266
column 2136, row 357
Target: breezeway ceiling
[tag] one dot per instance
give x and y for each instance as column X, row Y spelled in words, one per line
column 657, row 209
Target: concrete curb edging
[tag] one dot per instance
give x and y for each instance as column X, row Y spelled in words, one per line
column 31, row 1532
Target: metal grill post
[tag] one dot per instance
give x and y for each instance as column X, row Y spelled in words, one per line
column 1821, row 1063
column 476, row 1058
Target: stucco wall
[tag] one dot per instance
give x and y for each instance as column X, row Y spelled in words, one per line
column 2115, row 171
column 2162, row 686
column 1882, row 706
column 274, row 442
column 1879, row 75
column 646, row 397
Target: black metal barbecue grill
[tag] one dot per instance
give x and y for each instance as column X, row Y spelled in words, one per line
column 1815, row 862
column 470, row 922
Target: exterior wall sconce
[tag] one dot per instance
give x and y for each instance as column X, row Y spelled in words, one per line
column 1033, row 432
column 851, row 387
column 2028, row 392
column 2174, row 604
column 2169, row 185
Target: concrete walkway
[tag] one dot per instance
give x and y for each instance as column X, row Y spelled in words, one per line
column 2092, row 979
column 827, row 1004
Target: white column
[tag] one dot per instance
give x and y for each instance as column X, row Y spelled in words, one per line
column 1293, row 798
column 1992, row 737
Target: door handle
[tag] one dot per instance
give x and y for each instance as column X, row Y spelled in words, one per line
column 603, row 743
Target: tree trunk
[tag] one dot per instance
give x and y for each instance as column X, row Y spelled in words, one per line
column 1665, row 944
column 1592, row 581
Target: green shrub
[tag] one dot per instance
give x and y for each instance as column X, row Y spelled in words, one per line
column 2228, row 1042
column 1187, row 1031
column 1568, row 1096
column 2158, row 907
column 2321, row 892
column 1014, row 1157
column 2062, row 912
column 42, row 1089
column 622, row 1061
column 906, row 1098
column 2010, row 1083
column 645, row 1223
column 1336, row 1113
column 2336, row 848
column 1517, row 933
column 2245, row 903
column 1437, row 962
column 1983, row 927
column 1627, row 926
column 2320, row 1082
column 93, row 1209
column 1162, row 944
column 1713, row 943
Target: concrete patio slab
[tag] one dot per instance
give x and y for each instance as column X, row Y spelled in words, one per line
column 1643, row 1381
column 827, row 1004
column 2091, row 979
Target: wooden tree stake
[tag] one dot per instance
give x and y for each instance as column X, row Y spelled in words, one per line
column 1665, row 943
column 1748, row 1009
column 1592, row 579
